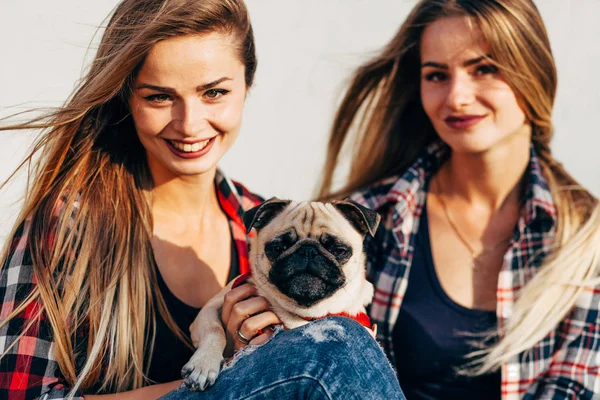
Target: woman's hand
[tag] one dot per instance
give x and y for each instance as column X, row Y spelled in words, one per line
column 244, row 314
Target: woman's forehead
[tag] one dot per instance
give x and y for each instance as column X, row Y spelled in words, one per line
column 175, row 56
column 452, row 40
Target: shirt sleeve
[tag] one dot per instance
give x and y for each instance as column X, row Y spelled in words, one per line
column 28, row 368
column 574, row 371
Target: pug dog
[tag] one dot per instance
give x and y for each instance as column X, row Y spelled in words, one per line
column 306, row 259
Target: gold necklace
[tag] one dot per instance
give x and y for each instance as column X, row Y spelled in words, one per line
column 475, row 256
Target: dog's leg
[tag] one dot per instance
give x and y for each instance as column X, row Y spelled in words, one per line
column 208, row 336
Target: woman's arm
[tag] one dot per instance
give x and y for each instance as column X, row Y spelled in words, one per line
column 28, row 367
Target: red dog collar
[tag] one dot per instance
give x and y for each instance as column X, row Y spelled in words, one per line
column 240, row 280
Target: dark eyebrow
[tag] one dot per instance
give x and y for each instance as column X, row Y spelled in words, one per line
column 212, row 84
column 172, row 91
column 154, row 87
column 465, row 64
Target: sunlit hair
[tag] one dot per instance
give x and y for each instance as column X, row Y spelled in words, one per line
column 382, row 118
column 99, row 273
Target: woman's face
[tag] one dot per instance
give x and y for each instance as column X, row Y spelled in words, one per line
column 470, row 105
column 187, row 103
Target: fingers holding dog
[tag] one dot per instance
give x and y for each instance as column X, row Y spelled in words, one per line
column 245, row 315
column 233, row 297
column 270, row 320
column 247, row 318
column 258, row 328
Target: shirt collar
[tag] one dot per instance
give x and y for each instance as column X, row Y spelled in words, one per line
column 405, row 192
column 229, row 198
column 538, row 203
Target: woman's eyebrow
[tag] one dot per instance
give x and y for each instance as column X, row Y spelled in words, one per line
column 212, row 84
column 467, row 63
column 173, row 91
column 155, row 87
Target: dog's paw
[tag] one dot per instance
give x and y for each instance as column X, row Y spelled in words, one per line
column 202, row 370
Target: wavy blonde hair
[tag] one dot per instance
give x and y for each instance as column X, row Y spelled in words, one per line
column 382, row 118
column 99, row 274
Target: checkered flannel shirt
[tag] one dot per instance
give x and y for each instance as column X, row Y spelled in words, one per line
column 565, row 364
column 29, row 369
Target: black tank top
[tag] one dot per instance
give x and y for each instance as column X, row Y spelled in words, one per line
column 433, row 333
column 171, row 354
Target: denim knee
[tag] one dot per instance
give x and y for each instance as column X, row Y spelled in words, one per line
column 348, row 325
column 341, row 347
column 336, row 334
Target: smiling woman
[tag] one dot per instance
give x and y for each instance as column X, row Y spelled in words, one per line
column 187, row 125
column 471, row 107
column 130, row 227
column 486, row 267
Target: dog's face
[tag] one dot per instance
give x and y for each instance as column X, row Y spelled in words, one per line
column 309, row 250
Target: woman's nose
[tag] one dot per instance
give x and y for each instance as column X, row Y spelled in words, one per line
column 461, row 91
column 191, row 117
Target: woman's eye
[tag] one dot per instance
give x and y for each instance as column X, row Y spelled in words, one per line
column 158, row 98
column 435, row 76
column 486, row 69
column 215, row 93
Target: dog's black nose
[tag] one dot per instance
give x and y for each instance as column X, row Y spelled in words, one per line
column 309, row 251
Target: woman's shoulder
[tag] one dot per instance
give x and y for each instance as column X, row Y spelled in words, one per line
column 406, row 187
column 236, row 193
column 16, row 251
column 249, row 199
column 397, row 190
column 42, row 226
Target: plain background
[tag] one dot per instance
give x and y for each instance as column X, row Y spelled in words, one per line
column 306, row 51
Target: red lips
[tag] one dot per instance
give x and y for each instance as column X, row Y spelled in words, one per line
column 463, row 121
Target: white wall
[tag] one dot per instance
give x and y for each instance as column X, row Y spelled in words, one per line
column 306, row 51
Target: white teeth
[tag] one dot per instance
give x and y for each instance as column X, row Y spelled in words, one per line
column 189, row 148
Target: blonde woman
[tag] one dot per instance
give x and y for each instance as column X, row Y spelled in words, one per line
column 484, row 231
column 130, row 227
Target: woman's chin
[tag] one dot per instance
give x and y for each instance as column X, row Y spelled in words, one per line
column 188, row 169
column 470, row 143
column 192, row 170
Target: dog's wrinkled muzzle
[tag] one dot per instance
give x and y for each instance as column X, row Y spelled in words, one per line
column 307, row 275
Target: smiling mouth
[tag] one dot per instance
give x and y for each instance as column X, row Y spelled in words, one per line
column 463, row 121
column 463, row 118
column 188, row 147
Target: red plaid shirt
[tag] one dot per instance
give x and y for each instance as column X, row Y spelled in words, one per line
column 565, row 364
column 29, row 369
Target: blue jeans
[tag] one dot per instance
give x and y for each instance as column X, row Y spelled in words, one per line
column 332, row 358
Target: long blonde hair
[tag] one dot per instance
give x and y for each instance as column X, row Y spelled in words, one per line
column 382, row 117
column 98, row 274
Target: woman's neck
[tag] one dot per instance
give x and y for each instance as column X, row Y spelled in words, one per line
column 489, row 179
column 189, row 198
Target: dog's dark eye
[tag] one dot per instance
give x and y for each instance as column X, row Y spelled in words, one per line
column 275, row 249
column 278, row 248
column 339, row 251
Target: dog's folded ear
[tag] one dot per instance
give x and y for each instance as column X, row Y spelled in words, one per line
column 363, row 219
column 264, row 213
